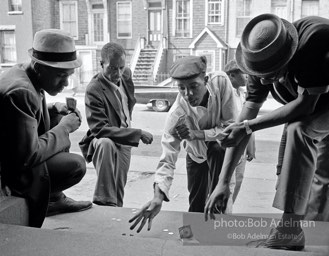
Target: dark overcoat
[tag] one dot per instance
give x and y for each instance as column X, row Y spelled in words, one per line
column 27, row 141
column 103, row 114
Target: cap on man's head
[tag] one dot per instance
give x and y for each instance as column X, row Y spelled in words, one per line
column 188, row 67
column 231, row 66
column 54, row 48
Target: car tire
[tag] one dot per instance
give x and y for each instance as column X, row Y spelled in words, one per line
column 160, row 105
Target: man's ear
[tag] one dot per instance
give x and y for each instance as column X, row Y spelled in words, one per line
column 206, row 78
column 102, row 63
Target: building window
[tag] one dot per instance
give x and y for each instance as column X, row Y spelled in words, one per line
column 98, row 22
column 310, row 8
column 69, row 17
column 243, row 15
column 183, row 18
column 15, row 5
column 124, row 20
column 98, row 19
column 7, row 47
column 280, row 8
column 215, row 12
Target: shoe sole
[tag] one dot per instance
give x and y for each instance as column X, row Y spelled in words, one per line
column 261, row 244
column 61, row 212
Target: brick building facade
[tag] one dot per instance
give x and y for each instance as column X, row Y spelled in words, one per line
column 163, row 30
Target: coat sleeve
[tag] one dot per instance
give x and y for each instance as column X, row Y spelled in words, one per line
column 28, row 147
column 103, row 122
column 164, row 174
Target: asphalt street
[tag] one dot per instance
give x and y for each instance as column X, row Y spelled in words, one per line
column 257, row 190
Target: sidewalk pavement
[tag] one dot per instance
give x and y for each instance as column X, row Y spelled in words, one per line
column 256, row 194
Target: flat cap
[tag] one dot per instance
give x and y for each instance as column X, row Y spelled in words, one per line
column 231, row 66
column 188, row 67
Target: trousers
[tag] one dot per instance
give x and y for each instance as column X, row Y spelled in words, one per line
column 111, row 162
column 318, row 203
column 202, row 178
column 65, row 170
column 305, row 159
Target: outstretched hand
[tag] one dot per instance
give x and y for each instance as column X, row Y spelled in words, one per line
column 217, row 201
column 146, row 213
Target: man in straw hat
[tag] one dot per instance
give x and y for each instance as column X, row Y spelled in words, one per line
column 204, row 105
column 291, row 61
column 35, row 162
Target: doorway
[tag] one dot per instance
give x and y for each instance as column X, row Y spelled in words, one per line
column 154, row 26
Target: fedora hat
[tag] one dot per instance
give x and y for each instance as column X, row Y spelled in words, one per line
column 54, row 48
column 267, row 44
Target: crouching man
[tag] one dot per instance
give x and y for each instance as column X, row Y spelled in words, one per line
column 35, row 162
column 204, row 106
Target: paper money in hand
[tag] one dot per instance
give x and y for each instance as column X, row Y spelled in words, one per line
column 71, row 103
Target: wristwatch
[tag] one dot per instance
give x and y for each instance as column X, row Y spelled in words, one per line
column 247, row 127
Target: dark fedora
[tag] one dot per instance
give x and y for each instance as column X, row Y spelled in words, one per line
column 267, row 44
column 54, row 48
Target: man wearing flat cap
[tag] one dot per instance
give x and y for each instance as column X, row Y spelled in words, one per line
column 290, row 60
column 204, row 106
column 34, row 157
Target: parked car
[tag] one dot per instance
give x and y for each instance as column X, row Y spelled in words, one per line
column 157, row 97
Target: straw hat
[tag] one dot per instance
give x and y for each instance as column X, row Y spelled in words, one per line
column 54, row 48
column 267, row 44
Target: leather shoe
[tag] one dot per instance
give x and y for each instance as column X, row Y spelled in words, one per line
column 282, row 241
column 65, row 205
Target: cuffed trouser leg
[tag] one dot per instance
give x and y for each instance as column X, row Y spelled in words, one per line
column 121, row 178
column 318, row 204
column 299, row 162
column 111, row 162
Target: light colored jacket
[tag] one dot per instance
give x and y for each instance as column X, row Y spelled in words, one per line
column 221, row 111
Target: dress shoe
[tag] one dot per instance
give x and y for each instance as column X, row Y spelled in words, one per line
column 281, row 240
column 65, row 205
